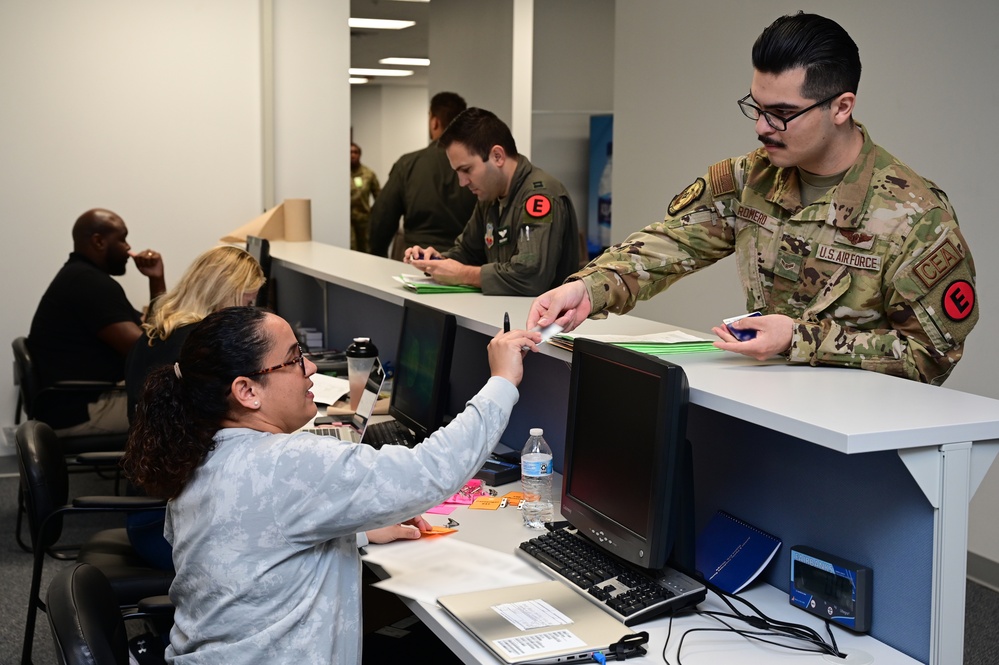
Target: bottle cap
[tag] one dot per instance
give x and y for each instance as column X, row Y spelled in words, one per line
column 362, row 348
column 537, row 431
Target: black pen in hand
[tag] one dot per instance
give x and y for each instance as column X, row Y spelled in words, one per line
column 506, row 322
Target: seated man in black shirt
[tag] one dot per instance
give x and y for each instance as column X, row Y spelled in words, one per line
column 84, row 325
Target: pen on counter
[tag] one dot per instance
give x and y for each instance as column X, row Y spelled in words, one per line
column 506, row 322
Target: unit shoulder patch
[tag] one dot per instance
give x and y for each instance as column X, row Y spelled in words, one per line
column 690, row 194
column 537, row 206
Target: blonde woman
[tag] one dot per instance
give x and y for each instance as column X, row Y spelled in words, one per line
column 222, row 277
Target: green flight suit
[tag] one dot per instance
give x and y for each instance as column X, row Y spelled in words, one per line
column 526, row 243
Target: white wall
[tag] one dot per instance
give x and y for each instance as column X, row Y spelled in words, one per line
column 928, row 94
column 312, row 112
column 471, row 51
column 152, row 109
column 562, row 105
column 388, row 122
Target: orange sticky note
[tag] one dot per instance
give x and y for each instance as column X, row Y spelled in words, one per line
column 485, row 503
column 513, row 498
column 436, row 531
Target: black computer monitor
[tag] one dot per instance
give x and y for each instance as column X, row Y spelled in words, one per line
column 627, row 474
column 423, row 368
column 260, row 249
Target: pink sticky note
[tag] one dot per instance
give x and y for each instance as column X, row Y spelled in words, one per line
column 442, row 509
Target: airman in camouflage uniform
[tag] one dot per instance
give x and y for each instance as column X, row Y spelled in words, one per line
column 876, row 274
column 868, row 269
column 364, row 187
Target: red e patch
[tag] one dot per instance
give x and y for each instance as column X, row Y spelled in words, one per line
column 959, row 300
column 538, row 206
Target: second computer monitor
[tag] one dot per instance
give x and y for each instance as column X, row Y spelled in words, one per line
column 423, row 368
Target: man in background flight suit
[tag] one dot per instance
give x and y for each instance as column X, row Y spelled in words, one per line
column 424, row 191
column 523, row 237
column 852, row 258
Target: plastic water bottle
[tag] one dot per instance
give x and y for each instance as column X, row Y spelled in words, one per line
column 536, row 477
column 604, row 200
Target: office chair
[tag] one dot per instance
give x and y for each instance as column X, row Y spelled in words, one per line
column 87, row 626
column 46, row 488
column 33, row 400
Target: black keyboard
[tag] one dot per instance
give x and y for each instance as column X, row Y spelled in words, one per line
column 630, row 594
column 389, row 433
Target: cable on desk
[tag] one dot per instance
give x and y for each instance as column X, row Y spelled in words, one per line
column 765, row 627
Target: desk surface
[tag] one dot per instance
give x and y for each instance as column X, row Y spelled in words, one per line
column 851, row 411
column 502, row 530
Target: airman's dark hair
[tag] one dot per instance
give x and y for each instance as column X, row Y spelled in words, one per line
column 479, row 130
column 818, row 44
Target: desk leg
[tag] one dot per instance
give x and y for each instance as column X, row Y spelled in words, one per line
column 950, row 554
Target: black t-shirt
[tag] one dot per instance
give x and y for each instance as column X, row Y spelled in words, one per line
column 143, row 359
column 80, row 301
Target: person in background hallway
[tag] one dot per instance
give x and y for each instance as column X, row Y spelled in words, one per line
column 363, row 188
column 853, row 259
column 522, row 237
column 84, row 325
column 263, row 517
column 423, row 190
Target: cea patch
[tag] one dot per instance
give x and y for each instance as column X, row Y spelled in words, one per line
column 690, row 194
column 538, row 205
column 959, row 300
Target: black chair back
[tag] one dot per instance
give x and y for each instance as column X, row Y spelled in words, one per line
column 26, row 380
column 44, row 479
column 86, row 623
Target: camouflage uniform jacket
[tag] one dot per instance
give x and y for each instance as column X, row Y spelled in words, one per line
column 364, row 186
column 875, row 274
column 528, row 242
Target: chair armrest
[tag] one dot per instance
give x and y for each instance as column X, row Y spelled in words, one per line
column 81, row 384
column 110, row 458
column 157, row 605
column 119, row 502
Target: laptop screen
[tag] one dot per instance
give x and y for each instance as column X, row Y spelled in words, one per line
column 366, row 405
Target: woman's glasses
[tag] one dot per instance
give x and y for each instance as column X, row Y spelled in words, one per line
column 300, row 361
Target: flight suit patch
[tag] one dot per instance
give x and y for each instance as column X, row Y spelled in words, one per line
column 537, row 205
column 690, row 194
column 849, row 259
column 489, row 235
column 938, row 264
column 959, row 300
column 504, row 236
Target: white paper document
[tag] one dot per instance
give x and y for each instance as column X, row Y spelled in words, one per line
column 425, row 569
column 328, row 389
column 530, row 614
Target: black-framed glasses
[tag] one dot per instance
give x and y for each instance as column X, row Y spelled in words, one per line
column 300, row 361
column 778, row 122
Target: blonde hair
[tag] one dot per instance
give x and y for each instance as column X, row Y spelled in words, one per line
column 217, row 279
